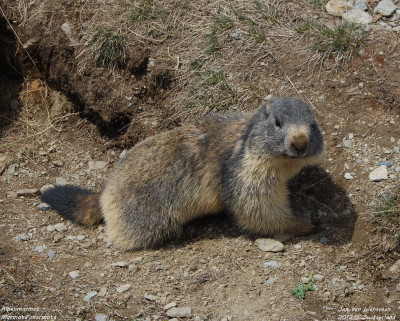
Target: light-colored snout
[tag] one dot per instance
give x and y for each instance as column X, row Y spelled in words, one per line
column 297, row 141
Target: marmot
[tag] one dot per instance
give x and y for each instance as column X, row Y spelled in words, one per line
column 239, row 163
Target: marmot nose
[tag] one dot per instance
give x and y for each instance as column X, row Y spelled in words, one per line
column 299, row 146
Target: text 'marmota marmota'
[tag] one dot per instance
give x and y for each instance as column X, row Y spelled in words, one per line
column 239, row 163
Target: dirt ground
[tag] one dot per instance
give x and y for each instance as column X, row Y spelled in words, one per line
column 66, row 118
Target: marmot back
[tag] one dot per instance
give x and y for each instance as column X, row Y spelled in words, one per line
column 238, row 163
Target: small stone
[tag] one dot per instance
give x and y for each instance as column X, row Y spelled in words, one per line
column 119, row 264
column 386, row 163
column 102, row 292
column 297, row 246
column 338, row 7
column 4, row 163
column 150, row 297
column 269, row 245
column 318, row 277
column 392, row 140
column 45, row 188
column 272, row 264
column 80, row 237
column 360, row 286
column 28, row 192
column 324, row 240
column 179, row 312
column 74, row 274
column 170, row 305
column 58, row 237
column 25, row 236
column 361, row 4
column 90, row 296
column 97, row 165
column 304, row 279
column 302, row 263
column 61, row 181
column 40, row 248
column 44, row 207
column 50, row 228
column 271, row 280
column 51, row 254
column 348, row 143
column 123, row 154
column 379, row 174
column 398, row 287
column 335, row 282
column 101, row 317
column 358, row 16
column 348, row 176
column 124, row 288
column 385, row 8
column 60, row 227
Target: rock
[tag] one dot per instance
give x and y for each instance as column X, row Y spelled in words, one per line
column 28, row 192
column 269, row 245
column 51, row 254
column 393, row 271
column 348, row 176
column 40, row 248
column 398, row 287
column 150, row 297
column 4, row 163
column 386, row 163
column 335, row 282
column 25, row 236
column 170, row 305
column 119, row 264
column 318, row 277
column 361, row 4
column 44, row 207
column 124, row 288
column 358, row 16
column 347, row 142
column 97, row 165
column 123, row 154
column 58, row 237
column 385, row 8
column 379, row 174
column 74, row 274
column 323, row 240
column 338, row 7
column 90, row 296
column 50, row 228
column 60, row 227
column 302, row 263
column 12, row 194
column 304, row 279
column 61, row 181
column 271, row 280
column 102, row 292
column 179, row 312
column 45, row 188
column 272, row 264
column 101, row 317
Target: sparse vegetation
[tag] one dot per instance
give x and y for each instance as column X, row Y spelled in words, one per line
column 300, row 291
column 387, row 216
column 107, row 48
column 342, row 41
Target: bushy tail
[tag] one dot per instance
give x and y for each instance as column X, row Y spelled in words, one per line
column 74, row 203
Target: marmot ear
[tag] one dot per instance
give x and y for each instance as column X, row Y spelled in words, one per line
column 267, row 108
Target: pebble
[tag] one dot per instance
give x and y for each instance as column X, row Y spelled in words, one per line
column 101, row 317
column 124, row 288
column 61, row 181
column 348, row 176
column 40, row 248
column 4, row 163
column 386, row 163
column 28, row 192
column 272, row 264
column 358, row 16
column 179, row 312
column 150, row 297
column 338, row 7
column 335, row 282
column 361, row 4
column 385, row 8
column 123, row 154
column 269, row 245
column 302, row 263
column 297, row 246
column 398, row 287
column 51, row 254
column 379, row 174
column 394, row 270
column 323, row 240
column 90, row 296
column 170, row 305
column 304, row 279
column 60, row 227
column 25, row 236
column 119, row 264
column 44, row 207
column 74, row 274
column 58, row 237
column 318, row 277
column 97, row 165
column 271, row 280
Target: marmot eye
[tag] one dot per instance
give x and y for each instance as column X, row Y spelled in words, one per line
column 277, row 123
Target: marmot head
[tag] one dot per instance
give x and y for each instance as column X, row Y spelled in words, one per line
column 285, row 127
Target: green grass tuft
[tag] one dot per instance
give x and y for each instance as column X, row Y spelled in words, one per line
column 300, row 291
